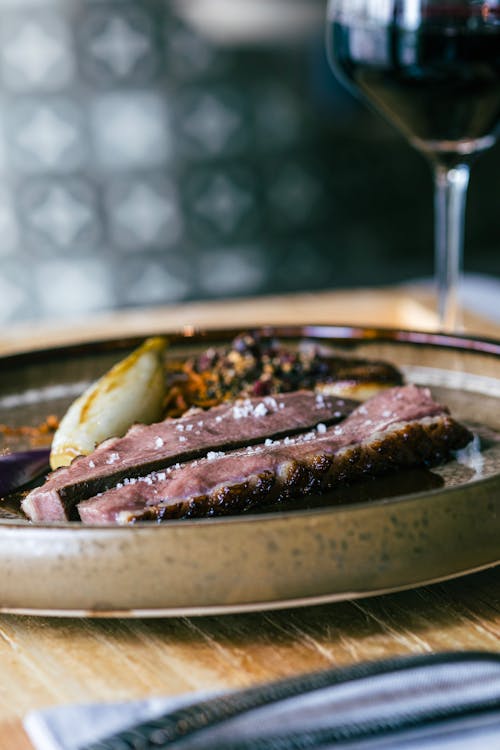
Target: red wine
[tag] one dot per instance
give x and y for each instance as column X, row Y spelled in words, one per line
column 439, row 83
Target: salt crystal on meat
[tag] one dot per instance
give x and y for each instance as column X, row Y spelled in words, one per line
column 139, row 451
column 271, row 403
column 213, row 455
column 260, row 410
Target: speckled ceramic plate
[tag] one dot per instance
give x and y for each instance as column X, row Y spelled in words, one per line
column 380, row 536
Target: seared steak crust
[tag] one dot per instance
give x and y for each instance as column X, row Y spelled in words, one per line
column 147, row 448
column 420, row 443
column 398, row 429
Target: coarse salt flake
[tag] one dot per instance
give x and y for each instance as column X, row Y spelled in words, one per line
column 250, row 450
column 321, row 427
column 270, row 402
column 260, row 410
column 243, row 409
column 213, row 455
column 158, row 442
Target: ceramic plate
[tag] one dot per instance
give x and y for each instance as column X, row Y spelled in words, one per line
column 379, row 536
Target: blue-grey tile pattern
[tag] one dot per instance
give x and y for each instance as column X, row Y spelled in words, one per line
column 142, row 163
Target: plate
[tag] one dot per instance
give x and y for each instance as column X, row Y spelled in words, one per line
column 378, row 537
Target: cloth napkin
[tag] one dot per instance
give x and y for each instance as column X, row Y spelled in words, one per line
column 478, row 293
column 481, row 294
column 436, row 702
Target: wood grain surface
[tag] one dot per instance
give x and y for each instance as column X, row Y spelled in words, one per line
column 49, row 661
column 388, row 307
column 392, row 308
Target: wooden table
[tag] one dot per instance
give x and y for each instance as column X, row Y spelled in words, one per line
column 47, row 661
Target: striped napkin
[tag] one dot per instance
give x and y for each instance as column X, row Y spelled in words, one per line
column 436, row 702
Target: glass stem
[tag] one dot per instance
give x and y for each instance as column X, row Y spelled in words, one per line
column 450, row 198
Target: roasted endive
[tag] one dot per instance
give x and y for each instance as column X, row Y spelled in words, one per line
column 132, row 391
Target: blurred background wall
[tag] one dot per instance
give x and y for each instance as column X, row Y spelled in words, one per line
column 153, row 152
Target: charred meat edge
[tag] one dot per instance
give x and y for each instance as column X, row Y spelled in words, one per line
column 146, row 448
column 426, row 442
column 371, row 444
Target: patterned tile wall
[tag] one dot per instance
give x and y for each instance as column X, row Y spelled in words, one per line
column 124, row 161
column 142, row 164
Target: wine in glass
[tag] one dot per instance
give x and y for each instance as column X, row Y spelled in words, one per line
column 432, row 67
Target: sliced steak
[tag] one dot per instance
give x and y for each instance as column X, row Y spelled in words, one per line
column 146, row 448
column 399, row 428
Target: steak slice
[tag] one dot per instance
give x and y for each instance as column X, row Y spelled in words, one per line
column 399, row 428
column 146, row 448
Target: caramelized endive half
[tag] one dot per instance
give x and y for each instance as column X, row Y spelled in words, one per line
column 132, row 391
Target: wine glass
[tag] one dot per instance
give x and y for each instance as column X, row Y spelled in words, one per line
column 432, row 67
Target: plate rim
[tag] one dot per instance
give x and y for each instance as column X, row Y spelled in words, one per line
column 337, row 332
column 271, row 605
